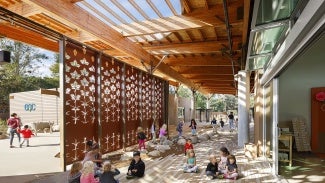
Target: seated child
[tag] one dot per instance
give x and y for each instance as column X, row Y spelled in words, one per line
column 88, row 173
column 27, row 134
column 212, row 168
column 108, row 175
column 74, row 175
column 231, row 168
column 137, row 166
column 188, row 145
column 223, row 160
column 190, row 165
column 94, row 155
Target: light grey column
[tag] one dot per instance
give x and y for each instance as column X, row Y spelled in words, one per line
column 194, row 104
column 243, row 107
column 62, row 48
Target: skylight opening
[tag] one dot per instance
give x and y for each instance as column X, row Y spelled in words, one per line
column 163, row 8
column 95, row 14
column 147, row 9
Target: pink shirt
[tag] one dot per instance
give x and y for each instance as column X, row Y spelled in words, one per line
column 88, row 179
column 162, row 132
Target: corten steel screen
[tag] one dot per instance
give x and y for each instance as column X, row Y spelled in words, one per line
column 106, row 103
column 158, row 101
column 132, row 102
column 80, row 100
column 111, row 104
column 146, row 102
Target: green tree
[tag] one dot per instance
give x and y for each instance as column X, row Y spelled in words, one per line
column 183, row 91
column 19, row 75
column 55, row 68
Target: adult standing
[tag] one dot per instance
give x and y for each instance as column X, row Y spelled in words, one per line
column 14, row 125
column 214, row 123
column 231, row 121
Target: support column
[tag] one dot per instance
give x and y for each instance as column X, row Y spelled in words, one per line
column 243, row 107
column 194, row 104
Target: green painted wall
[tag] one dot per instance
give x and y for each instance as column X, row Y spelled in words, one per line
column 307, row 71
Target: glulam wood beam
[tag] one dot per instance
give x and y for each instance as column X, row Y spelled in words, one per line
column 192, row 47
column 86, row 22
column 199, row 61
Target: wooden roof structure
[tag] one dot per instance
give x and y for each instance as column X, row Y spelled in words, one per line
column 200, row 43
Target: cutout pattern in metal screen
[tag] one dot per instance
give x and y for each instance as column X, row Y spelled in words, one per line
column 111, row 104
column 132, row 103
column 80, row 104
column 146, row 102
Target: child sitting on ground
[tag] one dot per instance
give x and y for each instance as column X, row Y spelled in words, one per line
column 137, row 166
column 231, row 168
column 74, row 175
column 27, row 134
column 108, row 175
column 87, row 173
column 212, row 168
column 188, row 145
column 141, row 138
column 223, row 160
column 190, row 165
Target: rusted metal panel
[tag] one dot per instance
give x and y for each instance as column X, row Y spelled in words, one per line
column 111, row 104
column 80, row 88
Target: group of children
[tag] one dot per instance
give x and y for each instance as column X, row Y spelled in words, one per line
column 225, row 167
column 94, row 170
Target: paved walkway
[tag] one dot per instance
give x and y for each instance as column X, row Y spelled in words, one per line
column 38, row 158
column 169, row 169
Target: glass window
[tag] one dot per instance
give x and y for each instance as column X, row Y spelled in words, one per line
column 274, row 10
column 258, row 62
column 264, row 40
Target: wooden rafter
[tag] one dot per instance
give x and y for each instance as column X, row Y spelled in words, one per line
column 213, row 76
column 202, row 34
column 190, row 35
column 206, row 4
column 194, row 47
column 178, row 37
column 104, row 6
column 186, row 6
column 91, row 24
column 27, row 36
column 155, row 9
column 199, row 61
column 204, row 69
column 99, row 13
column 139, row 9
column 125, row 11
column 171, row 7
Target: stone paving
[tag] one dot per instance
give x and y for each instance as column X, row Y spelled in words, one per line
column 169, row 169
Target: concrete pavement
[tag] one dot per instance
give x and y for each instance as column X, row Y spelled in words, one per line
column 36, row 159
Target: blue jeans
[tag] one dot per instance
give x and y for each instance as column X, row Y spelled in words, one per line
column 231, row 124
column 12, row 133
column 193, row 131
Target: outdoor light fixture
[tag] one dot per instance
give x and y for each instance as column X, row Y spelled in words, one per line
column 4, row 57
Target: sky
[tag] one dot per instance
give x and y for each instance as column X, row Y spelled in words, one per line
column 44, row 68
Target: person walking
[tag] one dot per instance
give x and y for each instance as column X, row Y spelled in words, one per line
column 231, row 121
column 13, row 124
column 27, row 134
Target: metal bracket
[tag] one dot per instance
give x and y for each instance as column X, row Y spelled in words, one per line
column 152, row 68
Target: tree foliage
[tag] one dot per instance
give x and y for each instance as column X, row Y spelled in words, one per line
column 218, row 102
column 20, row 75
